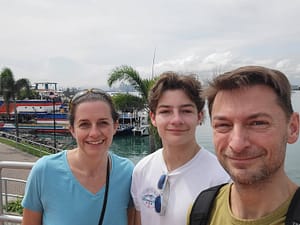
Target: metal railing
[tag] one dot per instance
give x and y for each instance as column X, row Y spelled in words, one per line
column 12, row 188
column 39, row 148
column 5, row 217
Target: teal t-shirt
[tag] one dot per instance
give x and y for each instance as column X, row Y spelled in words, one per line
column 53, row 190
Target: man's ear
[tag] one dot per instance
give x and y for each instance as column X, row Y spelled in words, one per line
column 293, row 128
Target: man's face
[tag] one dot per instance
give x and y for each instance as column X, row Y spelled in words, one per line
column 250, row 132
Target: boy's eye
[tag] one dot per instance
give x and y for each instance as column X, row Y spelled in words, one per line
column 164, row 111
column 187, row 111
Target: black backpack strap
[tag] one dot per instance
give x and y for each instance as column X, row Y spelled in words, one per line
column 293, row 214
column 203, row 204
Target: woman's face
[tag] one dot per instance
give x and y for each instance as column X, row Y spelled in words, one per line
column 93, row 127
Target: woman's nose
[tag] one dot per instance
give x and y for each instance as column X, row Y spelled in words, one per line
column 95, row 131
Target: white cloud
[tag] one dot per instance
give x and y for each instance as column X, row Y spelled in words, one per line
column 77, row 43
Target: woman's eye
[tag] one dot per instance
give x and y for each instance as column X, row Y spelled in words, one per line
column 84, row 125
column 103, row 123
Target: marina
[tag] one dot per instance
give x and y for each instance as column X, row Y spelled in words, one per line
column 131, row 140
column 49, row 114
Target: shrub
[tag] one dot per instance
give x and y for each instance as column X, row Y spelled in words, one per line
column 14, row 206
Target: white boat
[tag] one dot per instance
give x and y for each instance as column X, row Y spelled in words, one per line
column 142, row 130
column 49, row 100
column 126, row 121
column 142, row 126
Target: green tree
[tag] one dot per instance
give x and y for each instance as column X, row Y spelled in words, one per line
column 127, row 73
column 127, row 102
column 142, row 86
column 11, row 89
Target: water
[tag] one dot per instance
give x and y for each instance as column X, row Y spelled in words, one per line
column 136, row 148
column 132, row 147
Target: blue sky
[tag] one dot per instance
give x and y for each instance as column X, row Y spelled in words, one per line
column 78, row 42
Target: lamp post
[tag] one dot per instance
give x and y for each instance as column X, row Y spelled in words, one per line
column 16, row 119
column 6, row 92
column 52, row 96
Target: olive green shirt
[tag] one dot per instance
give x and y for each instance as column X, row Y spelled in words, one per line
column 221, row 213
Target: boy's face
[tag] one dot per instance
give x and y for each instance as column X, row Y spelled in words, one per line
column 176, row 118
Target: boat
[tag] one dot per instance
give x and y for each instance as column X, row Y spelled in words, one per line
column 124, row 129
column 31, row 106
column 142, row 130
column 142, row 125
column 126, row 123
column 49, row 100
column 48, row 118
column 47, row 114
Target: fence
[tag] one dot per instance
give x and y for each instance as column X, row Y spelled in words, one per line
column 5, row 192
column 30, row 146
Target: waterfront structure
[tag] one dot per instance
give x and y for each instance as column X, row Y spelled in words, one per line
column 47, row 113
column 142, row 126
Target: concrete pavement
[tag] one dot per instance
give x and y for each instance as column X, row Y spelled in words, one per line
column 8, row 153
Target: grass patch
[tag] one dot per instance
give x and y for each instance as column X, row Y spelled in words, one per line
column 26, row 147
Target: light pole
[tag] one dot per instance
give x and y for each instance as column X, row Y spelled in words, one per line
column 7, row 93
column 16, row 119
column 52, row 96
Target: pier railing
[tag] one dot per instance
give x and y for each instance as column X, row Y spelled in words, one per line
column 6, row 193
column 35, row 148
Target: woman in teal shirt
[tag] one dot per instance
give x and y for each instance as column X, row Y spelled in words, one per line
column 85, row 185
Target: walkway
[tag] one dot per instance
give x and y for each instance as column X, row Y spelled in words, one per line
column 8, row 153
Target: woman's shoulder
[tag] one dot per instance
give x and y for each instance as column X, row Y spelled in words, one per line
column 121, row 161
column 49, row 160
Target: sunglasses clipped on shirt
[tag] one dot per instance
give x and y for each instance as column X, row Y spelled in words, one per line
column 161, row 201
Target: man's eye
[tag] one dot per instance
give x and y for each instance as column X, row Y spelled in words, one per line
column 222, row 127
column 259, row 124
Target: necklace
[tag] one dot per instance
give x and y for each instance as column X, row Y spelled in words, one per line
column 106, row 194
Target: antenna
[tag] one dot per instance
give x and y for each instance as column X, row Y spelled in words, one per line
column 153, row 61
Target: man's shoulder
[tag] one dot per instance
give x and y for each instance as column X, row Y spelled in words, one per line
column 206, row 202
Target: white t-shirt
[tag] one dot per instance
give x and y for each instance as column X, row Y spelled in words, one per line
column 186, row 182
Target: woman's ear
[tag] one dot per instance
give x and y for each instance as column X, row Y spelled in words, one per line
column 71, row 129
column 116, row 124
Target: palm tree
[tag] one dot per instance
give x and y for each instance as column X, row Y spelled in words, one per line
column 127, row 102
column 142, row 86
column 11, row 89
